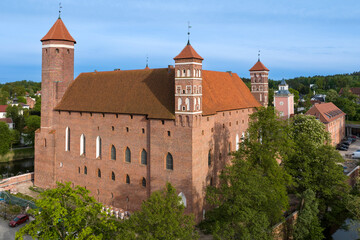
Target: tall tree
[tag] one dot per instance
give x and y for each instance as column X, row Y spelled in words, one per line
column 252, row 193
column 32, row 124
column 5, row 138
column 67, row 213
column 162, row 217
column 314, row 164
column 307, row 226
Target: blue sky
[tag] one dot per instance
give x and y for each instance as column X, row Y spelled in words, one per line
column 296, row 38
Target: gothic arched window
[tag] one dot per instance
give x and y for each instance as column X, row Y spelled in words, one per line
column 85, row 170
column 143, row 182
column 169, row 162
column 99, row 173
column 98, row 147
column 127, row 155
column 67, row 139
column 209, row 158
column 82, row 144
column 127, row 179
column 113, row 152
column 113, row 176
column 143, row 157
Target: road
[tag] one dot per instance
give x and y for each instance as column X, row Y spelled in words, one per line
column 8, row 233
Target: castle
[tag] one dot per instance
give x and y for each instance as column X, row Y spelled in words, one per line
column 123, row 134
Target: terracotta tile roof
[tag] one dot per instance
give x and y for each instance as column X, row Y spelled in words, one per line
column 326, row 112
column 224, row 91
column 3, row 108
column 259, row 67
column 353, row 90
column 58, row 32
column 188, row 52
column 151, row 92
column 6, row 120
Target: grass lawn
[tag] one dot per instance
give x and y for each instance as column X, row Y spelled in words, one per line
column 17, row 154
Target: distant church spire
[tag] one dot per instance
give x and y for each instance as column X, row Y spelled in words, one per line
column 60, row 7
column 188, row 43
column 259, row 56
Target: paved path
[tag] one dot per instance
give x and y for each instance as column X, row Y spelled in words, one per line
column 8, row 233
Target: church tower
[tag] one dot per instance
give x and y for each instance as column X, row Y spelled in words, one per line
column 188, row 84
column 57, row 69
column 259, row 82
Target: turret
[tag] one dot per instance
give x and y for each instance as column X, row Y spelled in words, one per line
column 188, row 82
column 259, row 82
column 57, row 69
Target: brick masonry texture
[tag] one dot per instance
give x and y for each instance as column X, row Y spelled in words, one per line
column 189, row 138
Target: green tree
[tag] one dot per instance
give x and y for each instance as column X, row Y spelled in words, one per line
column 331, row 96
column 5, row 138
column 14, row 136
column 21, row 99
column 296, row 95
column 13, row 112
column 162, row 217
column 67, row 213
column 245, row 203
column 32, row 124
column 314, row 164
column 307, row 225
column 3, row 97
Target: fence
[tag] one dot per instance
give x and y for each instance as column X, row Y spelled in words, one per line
column 10, row 199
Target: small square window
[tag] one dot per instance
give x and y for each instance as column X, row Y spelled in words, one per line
column 202, row 132
column 163, row 122
column 143, row 130
column 208, row 118
column 131, row 116
column 127, row 129
column 230, row 113
column 237, row 122
column 229, row 124
column 169, row 133
column 113, row 128
column 212, row 129
column 242, row 121
column 223, row 114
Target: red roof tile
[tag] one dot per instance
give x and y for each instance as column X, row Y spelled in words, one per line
column 6, row 120
column 259, row 67
column 3, row 108
column 188, row 52
column 326, row 112
column 353, row 90
column 151, row 92
column 58, row 32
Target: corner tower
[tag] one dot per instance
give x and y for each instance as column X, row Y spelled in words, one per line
column 259, row 82
column 188, row 82
column 57, row 69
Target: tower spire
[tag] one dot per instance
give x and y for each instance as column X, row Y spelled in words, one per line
column 188, row 43
column 259, row 56
column 60, row 7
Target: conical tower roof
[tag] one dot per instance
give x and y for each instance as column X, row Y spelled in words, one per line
column 58, row 32
column 259, row 67
column 188, row 52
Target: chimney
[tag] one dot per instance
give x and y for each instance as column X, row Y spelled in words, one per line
column 230, row 72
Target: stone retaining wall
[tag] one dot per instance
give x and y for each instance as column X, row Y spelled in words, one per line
column 9, row 183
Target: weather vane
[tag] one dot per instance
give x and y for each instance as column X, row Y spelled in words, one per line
column 60, row 7
column 189, row 33
column 259, row 55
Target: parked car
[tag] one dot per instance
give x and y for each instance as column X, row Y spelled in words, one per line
column 351, row 139
column 19, row 220
column 355, row 155
column 345, row 142
column 342, row 147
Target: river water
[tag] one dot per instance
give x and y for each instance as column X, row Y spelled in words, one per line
column 18, row 167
